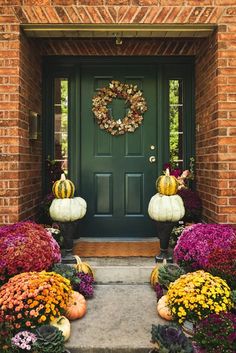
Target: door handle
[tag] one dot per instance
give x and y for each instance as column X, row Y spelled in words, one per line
column 152, row 159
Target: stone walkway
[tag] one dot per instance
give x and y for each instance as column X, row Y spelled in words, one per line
column 120, row 315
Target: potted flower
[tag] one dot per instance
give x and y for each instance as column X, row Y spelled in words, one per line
column 196, row 295
column 80, row 281
column 31, row 299
column 216, row 333
column 49, row 340
column 221, row 262
column 198, row 241
column 171, row 339
column 23, row 341
column 24, row 247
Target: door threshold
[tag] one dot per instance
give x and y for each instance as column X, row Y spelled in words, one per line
column 116, row 239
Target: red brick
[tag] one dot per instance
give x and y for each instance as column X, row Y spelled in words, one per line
column 63, row 2
column 37, row 2
column 145, row 2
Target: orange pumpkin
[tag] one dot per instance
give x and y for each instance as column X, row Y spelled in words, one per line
column 163, row 309
column 76, row 307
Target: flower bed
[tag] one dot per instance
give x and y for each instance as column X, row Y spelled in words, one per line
column 196, row 295
column 198, row 241
column 24, row 247
column 33, row 298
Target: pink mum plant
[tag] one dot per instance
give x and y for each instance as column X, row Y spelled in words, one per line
column 25, row 247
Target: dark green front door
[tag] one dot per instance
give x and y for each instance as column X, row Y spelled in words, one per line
column 117, row 178
column 116, row 174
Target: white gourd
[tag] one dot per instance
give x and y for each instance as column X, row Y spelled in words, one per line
column 67, row 210
column 63, row 324
column 164, row 208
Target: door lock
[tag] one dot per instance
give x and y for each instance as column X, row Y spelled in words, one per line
column 152, row 147
column 152, row 159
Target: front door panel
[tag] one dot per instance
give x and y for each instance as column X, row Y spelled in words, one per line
column 117, row 179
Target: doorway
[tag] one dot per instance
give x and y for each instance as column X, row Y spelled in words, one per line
column 116, row 174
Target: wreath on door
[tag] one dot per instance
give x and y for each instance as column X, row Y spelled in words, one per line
column 132, row 95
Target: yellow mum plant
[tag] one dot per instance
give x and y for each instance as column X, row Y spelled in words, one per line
column 34, row 298
column 195, row 295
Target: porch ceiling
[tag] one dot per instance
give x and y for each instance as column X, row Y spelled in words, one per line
column 117, row 30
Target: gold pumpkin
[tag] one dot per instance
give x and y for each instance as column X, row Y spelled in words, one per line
column 63, row 188
column 167, row 184
column 83, row 266
column 154, row 276
column 163, row 308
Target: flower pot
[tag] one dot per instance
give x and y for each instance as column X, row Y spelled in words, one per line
column 188, row 328
column 164, row 230
column 68, row 231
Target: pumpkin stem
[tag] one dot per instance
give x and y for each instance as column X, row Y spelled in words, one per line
column 167, row 172
column 78, row 259
column 63, row 177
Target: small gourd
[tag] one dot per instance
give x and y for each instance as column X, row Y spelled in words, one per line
column 167, row 184
column 154, row 276
column 164, row 208
column 163, row 309
column 63, row 188
column 63, row 324
column 83, row 266
column 77, row 306
column 67, row 210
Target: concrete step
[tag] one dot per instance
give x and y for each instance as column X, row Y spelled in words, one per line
column 124, row 270
column 118, row 320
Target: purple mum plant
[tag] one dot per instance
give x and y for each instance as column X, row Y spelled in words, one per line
column 198, row 241
column 85, row 286
column 216, row 333
column 25, row 247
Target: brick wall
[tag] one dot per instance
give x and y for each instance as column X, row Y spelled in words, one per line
column 20, row 91
column 20, row 82
column 30, row 161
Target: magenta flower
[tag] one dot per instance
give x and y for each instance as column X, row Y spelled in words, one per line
column 25, row 247
column 197, row 242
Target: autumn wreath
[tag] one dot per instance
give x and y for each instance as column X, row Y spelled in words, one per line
column 132, row 95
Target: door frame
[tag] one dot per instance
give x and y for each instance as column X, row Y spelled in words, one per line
column 70, row 67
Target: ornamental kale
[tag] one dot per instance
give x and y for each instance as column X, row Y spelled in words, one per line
column 170, row 339
column 198, row 241
column 68, row 272
column 217, row 333
column 25, row 247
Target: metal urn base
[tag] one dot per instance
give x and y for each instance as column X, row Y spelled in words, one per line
column 68, row 231
column 164, row 230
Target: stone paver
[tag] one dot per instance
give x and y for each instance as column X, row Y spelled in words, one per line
column 118, row 320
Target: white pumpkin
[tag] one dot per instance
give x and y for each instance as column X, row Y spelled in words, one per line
column 164, row 208
column 63, row 324
column 67, row 210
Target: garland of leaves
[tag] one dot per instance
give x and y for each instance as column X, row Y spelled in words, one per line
column 132, row 95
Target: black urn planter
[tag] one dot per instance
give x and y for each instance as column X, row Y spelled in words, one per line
column 68, row 231
column 164, row 230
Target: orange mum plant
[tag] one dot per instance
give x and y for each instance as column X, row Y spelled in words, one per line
column 34, row 298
